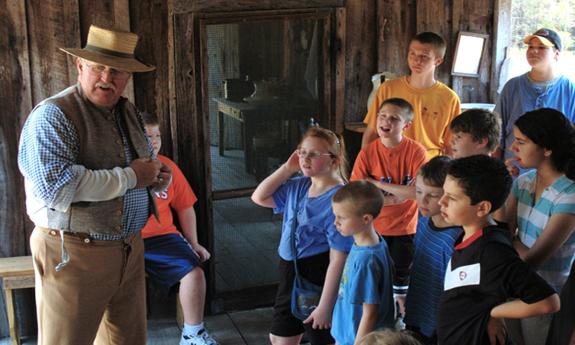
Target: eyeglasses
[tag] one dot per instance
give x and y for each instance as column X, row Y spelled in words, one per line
column 311, row 154
column 99, row 69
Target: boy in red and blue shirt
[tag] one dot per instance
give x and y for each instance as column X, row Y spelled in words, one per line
column 485, row 280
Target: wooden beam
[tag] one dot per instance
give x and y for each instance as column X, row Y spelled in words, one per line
column 396, row 23
column 16, row 100
column 339, row 66
column 437, row 16
column 150, row 22
column 501, row 34
column 360, row 57
column 186, row 6
column 193, row 139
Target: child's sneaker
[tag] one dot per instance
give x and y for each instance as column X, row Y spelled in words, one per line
column 399, row 324
column 202, row 338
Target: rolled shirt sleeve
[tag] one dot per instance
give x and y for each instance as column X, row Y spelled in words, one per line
column 47, row 158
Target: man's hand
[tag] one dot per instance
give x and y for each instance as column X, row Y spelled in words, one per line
column 148, row 171
column 164, row 178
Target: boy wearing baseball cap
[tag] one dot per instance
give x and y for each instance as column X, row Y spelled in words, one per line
column 542, row 87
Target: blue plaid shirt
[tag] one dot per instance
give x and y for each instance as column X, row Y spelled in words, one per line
column 48, row 150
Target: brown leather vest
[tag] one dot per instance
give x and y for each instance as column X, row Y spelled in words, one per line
column 100, row 147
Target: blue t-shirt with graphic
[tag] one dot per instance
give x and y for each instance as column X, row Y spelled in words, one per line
column 315, row 229
column 366, row 279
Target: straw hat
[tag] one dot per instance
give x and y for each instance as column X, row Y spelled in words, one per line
column 111, row 48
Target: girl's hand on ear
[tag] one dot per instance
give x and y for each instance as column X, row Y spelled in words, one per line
column 292, row 163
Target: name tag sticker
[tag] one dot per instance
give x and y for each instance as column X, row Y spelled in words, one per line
column 461, row 276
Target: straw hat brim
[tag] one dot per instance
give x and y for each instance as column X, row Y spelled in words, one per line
column 119, row 63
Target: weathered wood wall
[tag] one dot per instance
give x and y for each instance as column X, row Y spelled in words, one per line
column 32, row 68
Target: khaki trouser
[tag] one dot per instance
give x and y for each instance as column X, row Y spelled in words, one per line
column 97, row 298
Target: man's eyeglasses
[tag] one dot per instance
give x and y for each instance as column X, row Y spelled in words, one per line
column 99, row 69
column 311, row 154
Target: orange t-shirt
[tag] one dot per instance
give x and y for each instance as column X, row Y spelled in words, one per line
column 397, row 165
column 433, row 110
column 178, row 196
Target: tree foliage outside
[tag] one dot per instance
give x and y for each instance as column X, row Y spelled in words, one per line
column 529, row 15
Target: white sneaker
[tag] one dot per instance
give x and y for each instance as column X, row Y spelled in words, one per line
column 399, row 324
column 202, row 338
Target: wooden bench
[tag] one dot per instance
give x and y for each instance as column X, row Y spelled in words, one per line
column 18, row 273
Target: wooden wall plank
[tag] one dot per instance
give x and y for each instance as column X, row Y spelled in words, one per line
column 52, row 24
column 396, row 25
column 150, row 22
column 185, row 6
column 360, row 56
column 339, row 74
column 436, row 16
column 474, row 16
column 193, row 139
column 500, row 38
column 16, row 101
column 15, row 97
column 100, row 13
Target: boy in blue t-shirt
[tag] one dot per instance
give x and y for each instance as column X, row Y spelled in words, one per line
column 434, row 241
column 365, row 297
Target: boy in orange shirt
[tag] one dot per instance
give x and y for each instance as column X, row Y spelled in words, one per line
column 391, row 164
column 172, row 256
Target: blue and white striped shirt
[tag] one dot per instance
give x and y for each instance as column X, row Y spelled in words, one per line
column 532, row 218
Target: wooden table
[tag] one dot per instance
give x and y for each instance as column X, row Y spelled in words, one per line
column 250, row 114
column 16, row 273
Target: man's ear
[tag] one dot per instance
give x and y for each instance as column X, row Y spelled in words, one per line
column 483, row 208
column 79, row 65
column 547, row 153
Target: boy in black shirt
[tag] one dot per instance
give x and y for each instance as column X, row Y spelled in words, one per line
column 484, row 270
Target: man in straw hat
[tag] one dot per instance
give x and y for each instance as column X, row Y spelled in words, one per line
column 542, row 87
column 89, row 175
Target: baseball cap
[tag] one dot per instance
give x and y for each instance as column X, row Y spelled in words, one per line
column 548, row 37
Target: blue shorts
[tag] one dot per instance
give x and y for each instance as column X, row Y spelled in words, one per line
column 168, row 259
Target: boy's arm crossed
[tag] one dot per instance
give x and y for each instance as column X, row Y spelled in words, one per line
column 400, row 191
column 368, row 320
column 517, row 309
